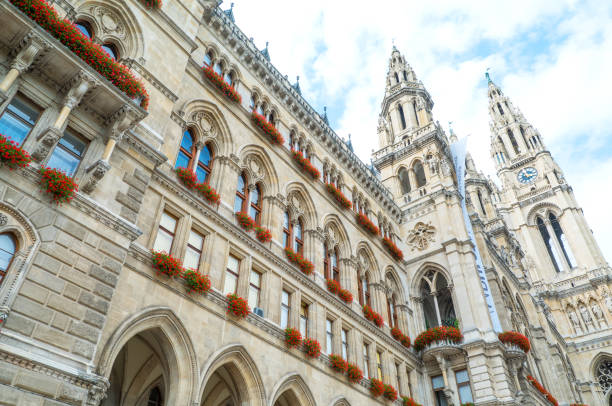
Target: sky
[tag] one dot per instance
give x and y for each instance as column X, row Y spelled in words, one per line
column 553, row 58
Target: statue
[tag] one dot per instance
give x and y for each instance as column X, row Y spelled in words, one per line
column 432, row 161
column 586, row 317
column 575, row 322
column 599, row 316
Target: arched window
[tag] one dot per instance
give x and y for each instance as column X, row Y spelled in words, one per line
column 8, row 246
column 392, row 311
column 604, row 376
column 331, row 264
column 111, row 50
column 85, row 28
column 272, row 118
column 567, row 252
column 400, row 111
column 204, row 164
column 155, row 397
column 287, row 229
column 366, row 289
column 552, row 252
column 255, row 204
column 404, row 179
column 419, row 173
column 515, row 145
column 396, row 78
column 208, row 58
column 482, row 206
column 405, row 76
column 438, row 308
column 186, row 151
column 241, row 194
column 260, row 109
column 298, row 242
column 228, row 78
column 218, row 68
column 499, row 107
column 416, row 116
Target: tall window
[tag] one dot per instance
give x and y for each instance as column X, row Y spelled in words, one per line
column 287, row 228
column 329, row 336
column 499, row 107
column 304, row 319
column 438, row 308
column 186, row 151
column 165, row 234
column 482, row 206
column 195, row 244
column 204, row 164
column 366, row 362
column 360, row 290
column 515, row 145
column 7, row 252
column 437, row 383
column 463, row 386
column 405, row 76
column 285, row 309
column 552, row 251
column 365, row 283
column 419, row 173
column 379, row 370
column 231, row 275
column 567, row 253
column 254, row 289
column 208, row 58
column 228, row 78
column 255, row 206
column 298, row 242
column 396, row 77
column 344, row 336
column 241, row 194
column 68, row 153
column 18, row 119
column 155, row 397
column 218, row 69
column 400, row 111
column 404, row 181
column 392, row 311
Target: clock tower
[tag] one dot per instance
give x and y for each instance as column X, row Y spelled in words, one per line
column 536, row 201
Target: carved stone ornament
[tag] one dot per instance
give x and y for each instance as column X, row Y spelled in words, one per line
column 420, row 236
column 97, row 392
column 94, row 174
column 44, row 142
column 3, row 219
column 110, row 22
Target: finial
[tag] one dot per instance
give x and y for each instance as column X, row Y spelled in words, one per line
column 265, row 52
column 230, row 13
column 232, row 6
column 296, row 86
column 487, row 76
column 325, row 115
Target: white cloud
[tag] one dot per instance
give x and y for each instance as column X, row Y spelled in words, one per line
column 552, row 57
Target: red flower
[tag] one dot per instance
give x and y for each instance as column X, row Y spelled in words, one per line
column 338, row 363
column 208, row 192
column 152, row 3
column 245, row 220
column 227, row 89
column 237, row 306
column 367, row 224
column 293, row 337
column 333, row 286
column 542, row 390
column 12, row 155
column 305, row 164
column 267, row 127
column 312, row 347
column 339, row 196
column 196, row 282
column 263, row 234
column 406, row 401
column 354, row 374
column 393, row 249
column 345, row 295
column 437, row 334
column 377, row 388
column 514, row 338
column 305, row 265
column 390, row 393
column 166, row 264
column 400, row 336
column 372, row 316
column 56, row 183
column 189, row 179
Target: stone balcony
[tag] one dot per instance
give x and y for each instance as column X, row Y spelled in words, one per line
column 441, row 350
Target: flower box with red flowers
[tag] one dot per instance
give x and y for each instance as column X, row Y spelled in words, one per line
column 390, row 393
column 377, row 388
column 293, row 337
column 312, row 348
column 237, row 306
column 217, row 80
column 534, row 382
column 267, row 127
column 367, row 224
column 12, row 155
column 332, row 285
column 441, row 334
column 405, row 340
column 263, row 234
column 187, row 177
column 406, row 401
column 346, row 296
column 208, row 192
column 56, row 183
column 400, row 336
column 196, row 282
column 166, row 264
column 245, row 221
column 513, row 340
column 338, row 363
column 305, row 164
column 305, row 265
column 467, row 404
column 355, row 375
column 152, row 3
column 92, row 54
column 393, row 249
column 371, row 315
column 190, row 180
column 338, row 196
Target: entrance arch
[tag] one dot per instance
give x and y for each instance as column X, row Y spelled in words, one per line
column 292, row 391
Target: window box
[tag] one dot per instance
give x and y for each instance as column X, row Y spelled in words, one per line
column 393, row 249
column 406, row 401
column 513, row 341
column 367, row 224
column 345, row 295
column 377, row 388
column 332, row 286
column 442, row 334
column 196, row 282
column 534, row 382
column 338, row 363
column 293, row 337
column 166, row 264
column 390, row 393
column 267, row 127
column 312, row 348
column 305, row 265
column 82, row 46
column 355, row 375
column 400, row 336
column 152, row 3
column 57, row 184
column 263, row 234
column 190, row 180
column 305, row 164
column 245, row 221
column 237, row 306
column 339, row 196
column 13, row 156
column 371, row 315
column 228, row 90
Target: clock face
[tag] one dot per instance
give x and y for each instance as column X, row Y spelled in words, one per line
column 527, row 175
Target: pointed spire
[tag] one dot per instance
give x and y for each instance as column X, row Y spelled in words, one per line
column 265, row 52
column 230, row 13
column 488, row 77
column 296, row 85
column 349, row 144
column 325, row 115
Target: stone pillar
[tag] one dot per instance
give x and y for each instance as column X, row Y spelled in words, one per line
column 31, row 46
column 227, row 182
column 410, row 111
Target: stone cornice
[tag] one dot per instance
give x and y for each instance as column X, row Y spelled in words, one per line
column 148, row 76
column 153, row 155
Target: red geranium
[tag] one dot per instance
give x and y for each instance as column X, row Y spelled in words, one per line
column 166, row 264
column 377, row 388
column 542, row 390
column 338, row 196
column 237, row 306
column 393, row 249
column 372, row 316
column 245, row 220
column 267, row 127
column 354, row 374
column 400, row 336
column 305, row 265
column 222, row 85
column 12, row 155
column 514, row 338
column 338, row 363
column 91, row 53
column 367, row 224
column 152, row 3
column 263, row 234
column 333, row 286
column 189, row 179
column 305, row 164
column 60, row 186
column 312, row 347
column 293, row 337
column 345, row 295
column 437, row 334
column 208, row 192
column 390, row 393
column 196, row 282
column 406, row 401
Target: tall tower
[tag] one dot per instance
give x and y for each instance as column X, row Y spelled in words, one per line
column 537, row 201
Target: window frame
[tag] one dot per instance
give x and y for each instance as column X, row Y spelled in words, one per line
column 285, row 308
column 232, row 273
column 287, row 231
column 329, row 336
column 256, row 288
column 160, row 227
column 22, row 99
column 344, row 346
column 366, row 360
column 197, row 251
column 244, row 194
column 4, row 272
column 207, row 169
column 189, row 154
column 304, row 318
column 464, row 384
column 74, row 134
column 257, row 207
column 298, row 243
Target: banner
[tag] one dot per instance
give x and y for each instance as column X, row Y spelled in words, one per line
column 458, row 150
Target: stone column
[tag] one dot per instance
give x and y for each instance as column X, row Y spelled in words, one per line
column 31, row 46
column 227, row 182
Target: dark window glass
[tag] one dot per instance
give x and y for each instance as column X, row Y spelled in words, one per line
column 18, row 119
column 185, row 152
column 68, row 154
column 85, row 28
column 255, row 207
column 241, row 193
column 7, row 251
column 404, row 180
column 548, row 242
column 400, row 110
column 207, row 59
column 155, row 397
column 419, row 173
column 111, row 50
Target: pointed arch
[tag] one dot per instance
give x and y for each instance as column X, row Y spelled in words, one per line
column 307, row 207
column 364, row 251
column 209, row 125
column 294, row 384
column 257, row 163
column 333, row 225
column 339, row 401
column 177, row 350
column 234, row 359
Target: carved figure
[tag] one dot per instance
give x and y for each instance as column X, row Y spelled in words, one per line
column 575, row 322
column 586, row 317
column 599, row 316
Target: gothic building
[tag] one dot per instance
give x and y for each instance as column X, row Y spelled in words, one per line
column 359, row 258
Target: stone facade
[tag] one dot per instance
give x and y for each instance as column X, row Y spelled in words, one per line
column 86, row 320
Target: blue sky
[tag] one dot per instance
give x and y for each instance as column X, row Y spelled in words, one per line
column 552, row 57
